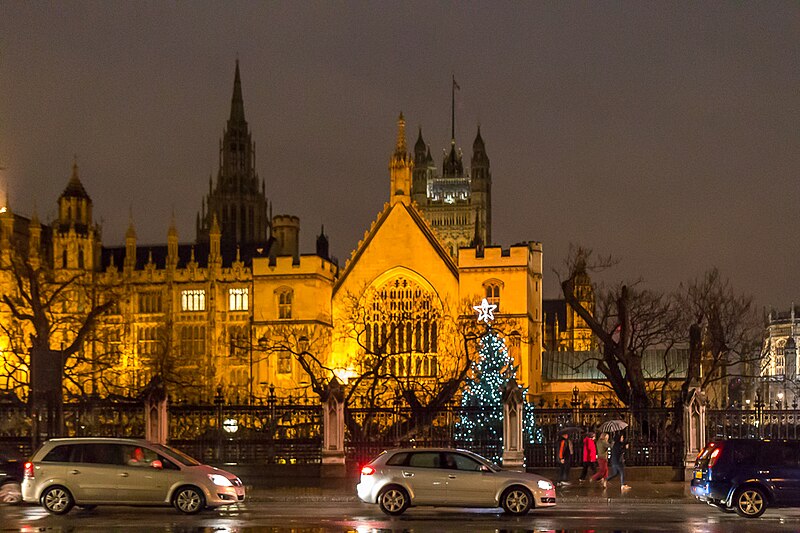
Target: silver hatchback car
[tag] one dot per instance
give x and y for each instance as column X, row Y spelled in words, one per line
column 400, row 478
column 95, row 471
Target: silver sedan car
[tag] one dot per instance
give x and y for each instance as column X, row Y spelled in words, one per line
column 400, row 478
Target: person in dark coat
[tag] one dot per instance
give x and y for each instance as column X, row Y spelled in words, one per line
column 618, row 462
column 564, row 456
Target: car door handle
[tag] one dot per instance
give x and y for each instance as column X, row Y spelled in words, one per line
column 123, row 474
column 408, row 474
column 451, row 476
column 74, row 471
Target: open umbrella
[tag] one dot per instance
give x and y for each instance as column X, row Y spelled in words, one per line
column 571, row 430
column 613, row 425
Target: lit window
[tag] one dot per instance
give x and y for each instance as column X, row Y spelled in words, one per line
column 285, row 304
column 238, row 299
column 284, row 362
column 193, row 300
column 493, row 295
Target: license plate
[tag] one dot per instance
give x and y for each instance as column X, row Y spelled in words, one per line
column 698, row 475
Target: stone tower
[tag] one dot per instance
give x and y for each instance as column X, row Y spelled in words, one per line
column 76, row 239
column 238, row 199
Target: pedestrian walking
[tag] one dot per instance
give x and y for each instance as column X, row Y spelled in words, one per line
column 603, row 446
column 618, row 462
column 588, row 456
column 564, row 456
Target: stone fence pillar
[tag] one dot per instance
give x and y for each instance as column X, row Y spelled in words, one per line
column 156, row 426
column 513, row 446
column 694, row 429
column 333, row 464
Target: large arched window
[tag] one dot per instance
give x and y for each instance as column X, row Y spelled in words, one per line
column 403, row 321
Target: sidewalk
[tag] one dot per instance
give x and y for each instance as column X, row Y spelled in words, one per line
column 344, row 490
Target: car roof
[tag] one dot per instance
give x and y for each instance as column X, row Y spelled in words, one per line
column 420, row 449
column 85, row 440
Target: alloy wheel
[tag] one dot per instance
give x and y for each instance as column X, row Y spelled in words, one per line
column 57, row 500
column 188, row 501
column 751, row 502
column 393, row 500
column 517, row 501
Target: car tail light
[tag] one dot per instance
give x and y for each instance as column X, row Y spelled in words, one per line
column 28, row 470
column 714, row 457
column 367, row 471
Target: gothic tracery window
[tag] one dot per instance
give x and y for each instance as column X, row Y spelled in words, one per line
column 403, row 321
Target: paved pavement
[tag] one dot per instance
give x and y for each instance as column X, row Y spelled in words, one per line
column 344, row 490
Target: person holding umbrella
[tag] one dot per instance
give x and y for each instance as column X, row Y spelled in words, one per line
column 564, row 456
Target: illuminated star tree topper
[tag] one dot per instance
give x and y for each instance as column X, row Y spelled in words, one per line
column 485, row 311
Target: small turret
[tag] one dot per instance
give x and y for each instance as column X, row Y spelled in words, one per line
column 172, row 244
column 214, row 237
column 130, row 247
column 322, row 244
column 400, row 166
column 286, row 231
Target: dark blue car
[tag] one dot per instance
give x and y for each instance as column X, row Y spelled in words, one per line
column 748, row 475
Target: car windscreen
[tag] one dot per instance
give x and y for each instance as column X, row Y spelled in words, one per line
column 179, row 455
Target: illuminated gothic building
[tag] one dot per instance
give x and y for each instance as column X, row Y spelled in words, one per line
column 202, row 313
column 779, row 359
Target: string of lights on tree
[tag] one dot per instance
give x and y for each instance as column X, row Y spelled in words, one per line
column 482, row 417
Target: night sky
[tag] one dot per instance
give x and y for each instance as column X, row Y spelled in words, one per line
column 665, row 133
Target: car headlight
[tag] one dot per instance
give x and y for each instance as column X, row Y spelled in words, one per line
column 544, row 484
column 220, row 481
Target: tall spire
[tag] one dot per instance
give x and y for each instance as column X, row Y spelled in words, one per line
column 453, row 111
column 237, row 102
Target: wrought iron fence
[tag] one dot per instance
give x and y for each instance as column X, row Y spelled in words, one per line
column 273, row 432
column 654, row 435
column 389, row 427
column 753, row 423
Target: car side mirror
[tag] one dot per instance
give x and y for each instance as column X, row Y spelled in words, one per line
column 484, row 468
column 156, row 464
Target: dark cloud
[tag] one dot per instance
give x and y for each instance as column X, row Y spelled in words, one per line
column 663, row 133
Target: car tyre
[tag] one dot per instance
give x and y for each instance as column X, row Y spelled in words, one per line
column 750, row 502
column 57, row 500
column 393, row 500
column 11, row 493
column 189, row 500
column 517, row 500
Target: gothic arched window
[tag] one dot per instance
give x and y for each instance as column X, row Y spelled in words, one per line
column 403, row 321
column 285, row 297
column 492, row 293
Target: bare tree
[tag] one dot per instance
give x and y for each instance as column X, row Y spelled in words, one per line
column 50, row 308
column 388, row 365
column 724, row 332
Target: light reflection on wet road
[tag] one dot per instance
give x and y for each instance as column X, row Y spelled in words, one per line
column 318, row 517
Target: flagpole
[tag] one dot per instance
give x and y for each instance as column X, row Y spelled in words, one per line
column 453, row 110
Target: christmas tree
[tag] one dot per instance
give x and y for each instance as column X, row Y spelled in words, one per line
column 481, row 421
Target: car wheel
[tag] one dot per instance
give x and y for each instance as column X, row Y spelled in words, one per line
column 57, row 500
column 750, row 502
column 393, row 500
column 10, row 493
column 189, row 500
column 517, row 500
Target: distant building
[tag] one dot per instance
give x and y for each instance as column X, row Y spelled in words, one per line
column 779, row 358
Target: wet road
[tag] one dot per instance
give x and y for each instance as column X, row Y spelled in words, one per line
column 313, row 517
